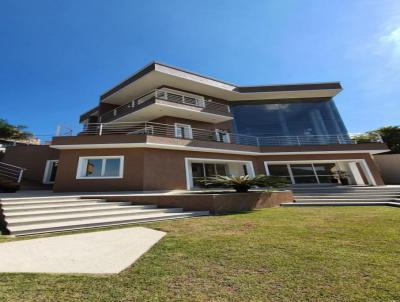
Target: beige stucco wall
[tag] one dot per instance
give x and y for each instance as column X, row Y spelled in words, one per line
column 389, row 166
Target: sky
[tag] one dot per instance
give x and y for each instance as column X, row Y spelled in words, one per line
column 58, row 56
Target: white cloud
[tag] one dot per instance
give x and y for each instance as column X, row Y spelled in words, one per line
column 392, row 39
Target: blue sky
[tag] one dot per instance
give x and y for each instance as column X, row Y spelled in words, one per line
column 57, row 57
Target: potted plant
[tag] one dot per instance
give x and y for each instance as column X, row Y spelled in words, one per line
column 242, row 184
column 342, row 176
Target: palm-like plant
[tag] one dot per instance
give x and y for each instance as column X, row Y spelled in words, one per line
column 243, row 183
column 17, row 132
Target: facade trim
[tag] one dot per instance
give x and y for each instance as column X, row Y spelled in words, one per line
column 201, row 149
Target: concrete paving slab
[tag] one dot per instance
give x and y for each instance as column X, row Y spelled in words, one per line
column 105, row 252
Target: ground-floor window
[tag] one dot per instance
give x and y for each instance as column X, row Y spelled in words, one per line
column 100, row 167
column 304, row 173
column 199, row 170
column 50, row 171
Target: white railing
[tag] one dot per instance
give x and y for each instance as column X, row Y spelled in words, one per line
column 11, row 172
column 359, row 138
column 206, row 105
column 158, row 129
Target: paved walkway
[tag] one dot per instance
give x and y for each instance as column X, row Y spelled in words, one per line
column 104, row 252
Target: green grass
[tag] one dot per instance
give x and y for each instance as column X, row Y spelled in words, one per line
column 279, row 254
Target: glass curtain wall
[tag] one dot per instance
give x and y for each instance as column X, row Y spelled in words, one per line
column 283, row 118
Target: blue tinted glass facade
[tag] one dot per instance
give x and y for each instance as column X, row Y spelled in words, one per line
column 290, row 118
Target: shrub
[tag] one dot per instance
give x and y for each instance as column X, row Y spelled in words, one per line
column 244, row 183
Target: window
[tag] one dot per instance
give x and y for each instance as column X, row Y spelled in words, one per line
column 201, row 171
column 304, row 173
column 50, row 171
column 100, row 167
column 222, row 136
column 183, row 131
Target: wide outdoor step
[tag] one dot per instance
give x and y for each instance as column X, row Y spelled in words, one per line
column 15, row 209
column 76, row 210
column 6, row 204
column 41, row 198
column 128, row 212
column 99, row 222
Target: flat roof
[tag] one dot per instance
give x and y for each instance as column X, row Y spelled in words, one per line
column 157, row 74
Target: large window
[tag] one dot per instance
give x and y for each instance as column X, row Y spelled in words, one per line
column 100, row 167
column 304, row 173
column 288, row 118
column 201, row 171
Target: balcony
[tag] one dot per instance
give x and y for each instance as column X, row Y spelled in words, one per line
column 220, row 136
column 161, row 102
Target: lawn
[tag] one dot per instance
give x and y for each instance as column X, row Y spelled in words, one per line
column 279, row 254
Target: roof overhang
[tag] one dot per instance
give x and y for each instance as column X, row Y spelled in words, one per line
column 156, row 75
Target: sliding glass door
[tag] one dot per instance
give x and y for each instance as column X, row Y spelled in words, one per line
column 307, row 173
column 201, row 171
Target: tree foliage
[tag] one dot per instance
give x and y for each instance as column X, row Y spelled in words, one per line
column 391, row 136
column 17, row 132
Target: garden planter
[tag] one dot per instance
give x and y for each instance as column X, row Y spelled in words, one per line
column 215, row 202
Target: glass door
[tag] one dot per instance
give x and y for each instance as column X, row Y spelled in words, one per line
column 325, row 172
column 201, row 171
column 303, row 173
column 307, row 173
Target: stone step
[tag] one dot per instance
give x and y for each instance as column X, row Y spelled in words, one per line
column 41, row 198
column 7, row 204
column 75, row 210
column 81, row 204
column 99, row 222
column 128, row 212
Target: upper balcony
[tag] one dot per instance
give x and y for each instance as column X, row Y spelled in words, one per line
column 163, row 102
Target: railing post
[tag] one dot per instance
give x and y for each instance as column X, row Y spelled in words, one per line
column 58, row 130
column 20, row 175
column 101, row 129
column 298, row 140
column 338, row 138
column 258, row 141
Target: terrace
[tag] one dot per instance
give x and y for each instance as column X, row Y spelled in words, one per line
column 195, row 134
column 162, row 102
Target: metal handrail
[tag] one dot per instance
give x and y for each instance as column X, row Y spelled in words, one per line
column 11, row 171
column 206, row 105
column 167, row 130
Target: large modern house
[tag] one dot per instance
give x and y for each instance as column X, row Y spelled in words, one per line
column 166, row 128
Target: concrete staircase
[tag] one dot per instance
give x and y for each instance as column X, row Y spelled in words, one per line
column 23, row 216
column 345, row 196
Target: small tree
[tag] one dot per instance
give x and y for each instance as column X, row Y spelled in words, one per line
column 17, row 132
column 391, row 136
column 243, row 183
